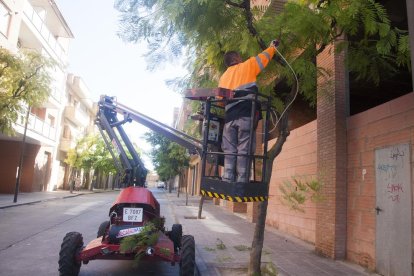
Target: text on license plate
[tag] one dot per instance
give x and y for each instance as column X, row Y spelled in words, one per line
column 132, row 214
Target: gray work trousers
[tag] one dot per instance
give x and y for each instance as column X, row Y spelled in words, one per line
column 236, row 141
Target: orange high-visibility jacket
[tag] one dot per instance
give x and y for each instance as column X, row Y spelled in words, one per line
column 243, row 75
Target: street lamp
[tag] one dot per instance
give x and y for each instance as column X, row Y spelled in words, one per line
column 19, row 170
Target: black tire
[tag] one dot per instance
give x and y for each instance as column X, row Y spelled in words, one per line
column 176, row 235
column 187, row 260
column 71, row 246
column 102, row 229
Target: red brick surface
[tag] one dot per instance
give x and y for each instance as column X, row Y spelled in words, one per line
column 331, row 155
column 297, row 159
column 388, row 124
column 237, row 207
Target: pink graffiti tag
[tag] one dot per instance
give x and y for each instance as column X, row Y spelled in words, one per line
column 395, row 198
column 394, row 191
column 395, row 188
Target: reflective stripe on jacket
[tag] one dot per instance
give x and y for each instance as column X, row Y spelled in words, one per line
column 244, row 75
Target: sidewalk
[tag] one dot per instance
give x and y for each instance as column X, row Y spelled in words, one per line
column 6, row 200
column 223, row 240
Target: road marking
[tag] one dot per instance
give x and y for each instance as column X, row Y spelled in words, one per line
column 80, row 208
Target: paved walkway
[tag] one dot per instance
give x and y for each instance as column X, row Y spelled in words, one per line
column 223, row 240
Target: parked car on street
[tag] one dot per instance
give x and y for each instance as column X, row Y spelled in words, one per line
column 161, row 185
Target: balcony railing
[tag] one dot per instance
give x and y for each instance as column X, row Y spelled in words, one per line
column 76, row 115
column 41, row 27
column 38, row 126
column 67, row 144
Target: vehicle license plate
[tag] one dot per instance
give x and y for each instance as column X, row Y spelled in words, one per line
column 132, row 214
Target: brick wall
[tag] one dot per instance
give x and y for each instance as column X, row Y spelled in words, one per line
column 298, row 158
column 388, row 124
column 331, row 229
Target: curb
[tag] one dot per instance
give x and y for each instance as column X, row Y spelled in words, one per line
column 39, row 201
column 53, row 198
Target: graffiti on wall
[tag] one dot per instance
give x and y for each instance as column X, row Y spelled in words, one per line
column 391, row 171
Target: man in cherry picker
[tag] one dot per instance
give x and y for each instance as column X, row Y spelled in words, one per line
column 241, row 78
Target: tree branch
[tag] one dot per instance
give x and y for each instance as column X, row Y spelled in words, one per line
column 249, row 20
column 237, row 5
column 4, row 69
column 284, row 130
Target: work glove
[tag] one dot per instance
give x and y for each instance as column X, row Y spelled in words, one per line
column 274, row 43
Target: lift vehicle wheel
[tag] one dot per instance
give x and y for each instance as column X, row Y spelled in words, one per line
column 71, row 246
column 102, row 229
column 187, row 261
column 176, row 235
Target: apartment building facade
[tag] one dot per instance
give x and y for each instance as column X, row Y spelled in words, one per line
column 36, row 25
column 77, row 121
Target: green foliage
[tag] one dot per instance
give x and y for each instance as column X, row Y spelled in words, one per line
column 168, row 157
column 139, row 242
column 91, row 152
column 209, row 249
column 224, row 259
column 24, row 81
column 202, row 31
column 165, row 251
column 296, row 192
column 147, row 237
column 242, row 248
column 269, row 269
column 220, row 245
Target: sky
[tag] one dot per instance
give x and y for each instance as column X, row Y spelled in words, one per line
column 107, row 65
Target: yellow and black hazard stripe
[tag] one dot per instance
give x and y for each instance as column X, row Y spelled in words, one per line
column 234, row 198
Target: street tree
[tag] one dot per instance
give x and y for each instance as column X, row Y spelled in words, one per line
column 201, row 31
column 89, row 153
column 25, row 81
column 168, row 158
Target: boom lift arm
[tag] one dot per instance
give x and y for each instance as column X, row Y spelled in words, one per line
column 208, row 149
column 120, row 145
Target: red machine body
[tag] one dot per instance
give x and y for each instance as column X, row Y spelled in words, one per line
column 108, row 246
column 133, row 195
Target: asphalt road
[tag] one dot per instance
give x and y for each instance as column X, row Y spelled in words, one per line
column 31, row 235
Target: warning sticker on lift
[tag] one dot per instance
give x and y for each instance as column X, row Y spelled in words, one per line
column 213, row 132
column 128, row 232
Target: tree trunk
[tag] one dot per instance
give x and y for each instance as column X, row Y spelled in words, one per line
column 200, row 207
column 170, row 184
column 258, row 237
column 186, row 194
column 72, row 179
column 179, row 184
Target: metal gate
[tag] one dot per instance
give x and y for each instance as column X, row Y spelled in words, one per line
column 393, row 208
